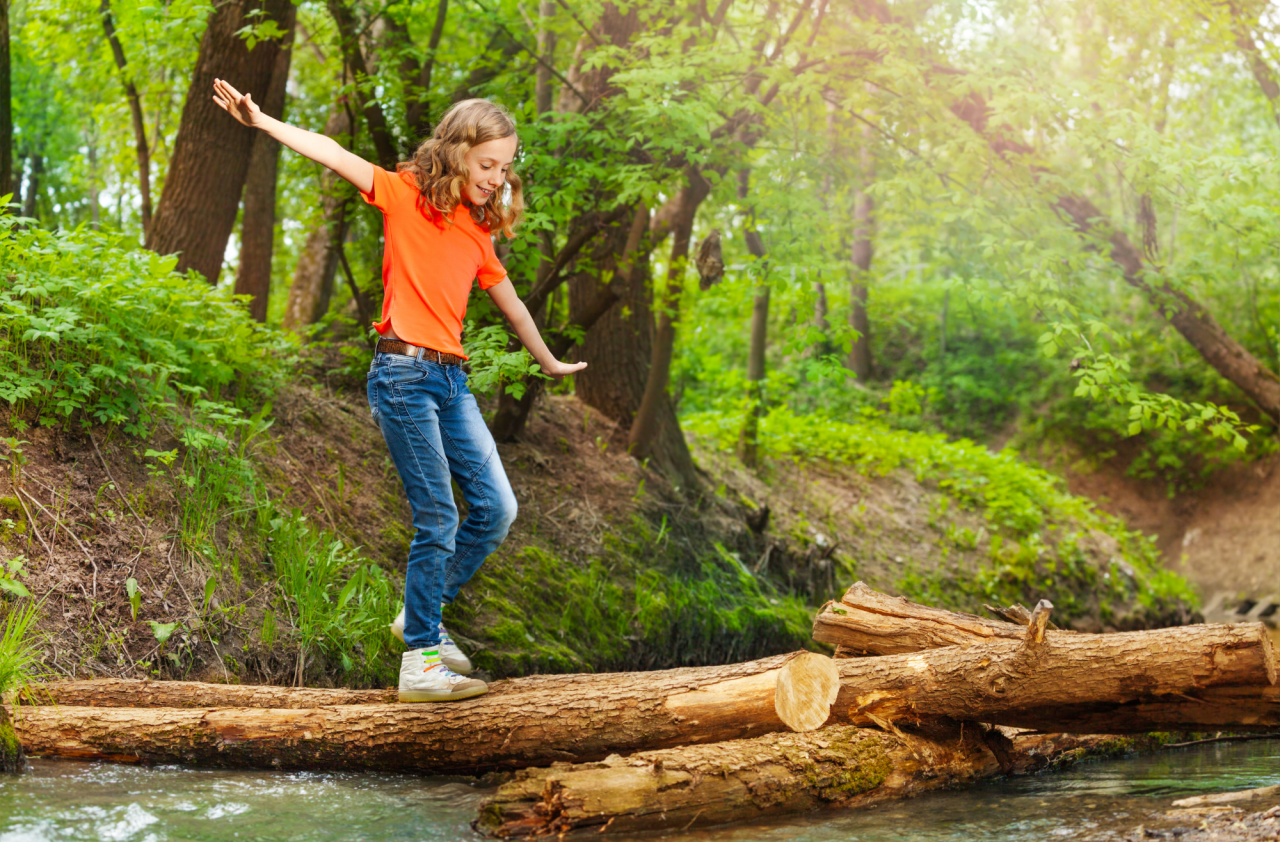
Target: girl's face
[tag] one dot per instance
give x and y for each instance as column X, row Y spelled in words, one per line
column 488, row 163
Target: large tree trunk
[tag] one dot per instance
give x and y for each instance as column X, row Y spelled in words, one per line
column 135, row 113
column 211, row 155
column 1039, row 681
column 258, row 222
column 740, row 780
column 318, row 263
column 6, row 105
column 645, row 437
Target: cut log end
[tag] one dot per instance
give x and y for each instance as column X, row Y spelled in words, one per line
column 806, row 689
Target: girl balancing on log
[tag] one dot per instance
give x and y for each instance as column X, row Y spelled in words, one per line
column 438, row 211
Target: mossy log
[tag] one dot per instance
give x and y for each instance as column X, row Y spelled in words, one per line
column 867, row 622
column 740, row 780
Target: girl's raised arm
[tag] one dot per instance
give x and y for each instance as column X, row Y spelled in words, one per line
column 323, row 150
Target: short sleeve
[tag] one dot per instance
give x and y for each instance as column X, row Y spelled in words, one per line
column 384, row 188
column 492, row 272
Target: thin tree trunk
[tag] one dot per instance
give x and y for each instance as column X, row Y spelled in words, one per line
column 135, row 113
column 353, row 55
column 748, row 439
column 29, row 208
column 314, row 275
column 6, row 106
column 258, row 221
column 822, row 347
column 197, row 210
column 645, row 428
column 860, row 258
column 543, row 89
column 1263, row 73
column 418, row 114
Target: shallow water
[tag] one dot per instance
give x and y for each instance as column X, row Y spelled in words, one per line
column 62, row 800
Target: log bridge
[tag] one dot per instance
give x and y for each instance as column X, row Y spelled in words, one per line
column 930, row 703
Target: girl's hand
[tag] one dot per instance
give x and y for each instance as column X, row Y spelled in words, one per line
column 558, row 369
column 238, row 105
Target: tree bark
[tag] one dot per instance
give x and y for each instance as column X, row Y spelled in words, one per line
column 136, row 115
column 866, row 622
column 748, row 439
column 643, row 439
column 740, row 780
column 543, row 89
column 134, row 693
column 29, row 208
column 1263, row 73
column 6, row 106
column 418, row 112
column 349, row 41
column 258, row 221
column 860, row 255
column 197, row 209
column 1120, row 681
column 318, row 263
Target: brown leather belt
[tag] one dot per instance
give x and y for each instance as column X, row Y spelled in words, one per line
column 395, row 346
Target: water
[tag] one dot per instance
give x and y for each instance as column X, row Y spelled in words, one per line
column 63, row 800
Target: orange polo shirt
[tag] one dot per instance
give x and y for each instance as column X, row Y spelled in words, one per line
column 428, row 264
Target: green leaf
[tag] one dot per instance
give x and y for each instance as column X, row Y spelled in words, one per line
column 162, row 631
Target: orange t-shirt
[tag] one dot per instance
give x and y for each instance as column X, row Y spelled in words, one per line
column 428, row 264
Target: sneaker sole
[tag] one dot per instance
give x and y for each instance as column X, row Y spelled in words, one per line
column 470, row 668
column 428, row 696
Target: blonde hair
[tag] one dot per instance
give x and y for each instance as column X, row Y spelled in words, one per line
column 440, row 168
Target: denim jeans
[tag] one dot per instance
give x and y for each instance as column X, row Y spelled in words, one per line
column 434, row 431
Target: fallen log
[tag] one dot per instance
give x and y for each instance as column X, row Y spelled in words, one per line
column 740, row 780
column 766, row 777
column 867, row 622
column 142, row 693
column 1116, row 682
column 1047, row 678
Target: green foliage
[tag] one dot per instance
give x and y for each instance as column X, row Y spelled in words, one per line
column 19, row 653
column 492, row 365
column 97, row 332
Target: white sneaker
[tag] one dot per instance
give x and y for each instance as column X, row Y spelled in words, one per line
column 449, row 651
column 423, row 678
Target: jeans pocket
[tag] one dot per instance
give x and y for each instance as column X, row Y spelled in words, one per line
column 405, row 373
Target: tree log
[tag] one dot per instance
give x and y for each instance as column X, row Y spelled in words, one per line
column 1124, row 682
column 134, row 693
column 740, row 780
column 866, row 621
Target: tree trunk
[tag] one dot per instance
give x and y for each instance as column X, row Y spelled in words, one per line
column 135, row 112
column 1055, row 681
column 258, row 222
column 513, row 413
column 349, row 41
column 134, row 693
column 1262, row 72
column 418, row 112
column 6, row 106
column 643, row 440
column 543, row 89
column 860, row 257
column 318, row 263
column 29, row 208
column 740, row 780
column 866, row 622
column 823, row 346
column 211, row 155
column 748, row 439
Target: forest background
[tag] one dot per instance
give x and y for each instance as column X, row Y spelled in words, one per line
column 914, row 237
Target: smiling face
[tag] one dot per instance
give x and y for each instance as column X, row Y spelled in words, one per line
column 488, row 164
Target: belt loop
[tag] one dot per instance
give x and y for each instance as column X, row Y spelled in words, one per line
column 419, row 353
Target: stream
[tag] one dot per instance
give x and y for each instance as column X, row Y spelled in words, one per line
column 65, row 800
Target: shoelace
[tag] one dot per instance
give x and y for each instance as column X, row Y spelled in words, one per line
column 445, row 639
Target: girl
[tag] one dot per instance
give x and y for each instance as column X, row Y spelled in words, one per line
column 438, row 210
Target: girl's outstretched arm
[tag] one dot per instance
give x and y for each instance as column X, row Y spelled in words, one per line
column 504, row 295
column 323, row 150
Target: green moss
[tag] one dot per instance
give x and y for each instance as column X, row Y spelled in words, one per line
column 12, row 518
column 12, row 758
column 634, row 607
column 860, row 765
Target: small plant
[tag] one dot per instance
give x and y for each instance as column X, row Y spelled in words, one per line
column 9, row 576
column 135, row 596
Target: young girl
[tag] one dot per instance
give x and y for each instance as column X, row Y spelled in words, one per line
column 438, row 210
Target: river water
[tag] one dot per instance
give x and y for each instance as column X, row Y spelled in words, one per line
column 63, row 800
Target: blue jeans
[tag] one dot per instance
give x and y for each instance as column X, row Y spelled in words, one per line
column 434, row 431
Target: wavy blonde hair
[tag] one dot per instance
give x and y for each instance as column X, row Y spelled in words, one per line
column 440, row 168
